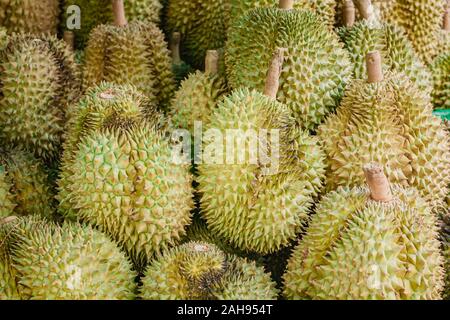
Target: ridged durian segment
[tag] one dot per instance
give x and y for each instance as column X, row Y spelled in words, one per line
column 24, row 186
column 198, row 270
column 357, row 248
column 96, row 12
column 422, row 21
column 67, row 262
column 31, row 16
column 8, row 285
column 257, row 202
column 197, row 99
column 39, row 79
column 390, row 123
column 396, row 51
column 136, row 54
column 125, row 182
column 441, row 79
column 316, row 66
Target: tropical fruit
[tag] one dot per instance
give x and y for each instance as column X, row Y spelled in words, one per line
column 445, row 237
column 316, row 70
column 119, row 173
column 39, row 79
column 30, row 16
column 67, row 262
column 259, row 171
column 134, row 53
column 387, row 120
column 365, row 243
column 441, row 80
column 8, row 285
column 200, row 271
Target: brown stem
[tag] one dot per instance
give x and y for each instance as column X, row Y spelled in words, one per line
column 119, row 13
column 446, row 22
column 374, row 67
column 365, row 8
column 212, row 62
column 7, row 220
column 274, row 73
column 379, row 187
column 349, row 13
column 175, row 47
column 286, row 4
column 69, row 38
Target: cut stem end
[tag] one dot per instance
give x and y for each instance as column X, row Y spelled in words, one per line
column 175, row 47
column 119, row 13
column 374, row 67
column 378, row 183
column 274, row 73
column 212, row 62
column 69, row 38
column 286, row 4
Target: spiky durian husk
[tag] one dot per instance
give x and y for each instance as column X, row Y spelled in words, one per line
column 96, row 12
column 197, row 99
column 441, row 76
column 390, row 123
column 24, row 186
column 8, row 285
column 39, row 79
column 136, row 54
column 66, row 262
column 260, row 206
column 30, row 16
column 198, row 270
column 315, row 70
column 396, row 51
column 422, row 21
column 357, row 248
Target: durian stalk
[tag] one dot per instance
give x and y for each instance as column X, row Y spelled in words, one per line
column 349, row 13
column 380, row 189
column 69, row 38
column 212, row 62
column 175, row 47
column 286, row 4
column 273, row 75
column 119, row 13
column 446, row 23
column 374, row 67
column 365, row 8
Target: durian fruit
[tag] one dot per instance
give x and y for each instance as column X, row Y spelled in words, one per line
column 119, row 173
column 179, row 68
column 134, row 53
column 67, row 262
column 200, row 271
column 24, row 186
column 8, row 285
column 259, row 171
column 379, row 242
column 441, row 80
column 198, row 96
column 387, row 120
column 30, row 16
column 39, row 79
column 397, row 52
column 445, row 237
column 96, row 12
column 316, row 70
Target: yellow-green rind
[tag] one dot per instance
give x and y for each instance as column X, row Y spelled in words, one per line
column 441, row 80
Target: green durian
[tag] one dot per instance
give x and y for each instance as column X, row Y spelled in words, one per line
column 389, row 121
column 134, row 53
column 39, row 79
column 118, row 173
column 30, row 16
column 316, row 70
column 180, row 69
column 441, row 80
column 200, row 271
column 198, row 96
column 8, row 285
column 365, row 243
column 24, row 185
column 67, row 262
column 445, row 237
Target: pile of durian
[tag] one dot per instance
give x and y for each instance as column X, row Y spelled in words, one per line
column 107, row 192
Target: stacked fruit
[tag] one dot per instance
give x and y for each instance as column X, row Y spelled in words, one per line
column 224, row 149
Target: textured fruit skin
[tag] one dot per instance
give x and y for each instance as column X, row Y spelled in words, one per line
column 441, row 80
column 198, row 270
column 315, row 70
column 357, row 248
column 39, row 79
column 8, row 286
column 30, row 16
column 24, row 186
column 197, row 99
column 118, row 174
column 67, row 262
column 253, row 209
column 445, row 238
column 96, row 12
column 390, row 123
column 396, row 51
column 136, row 54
